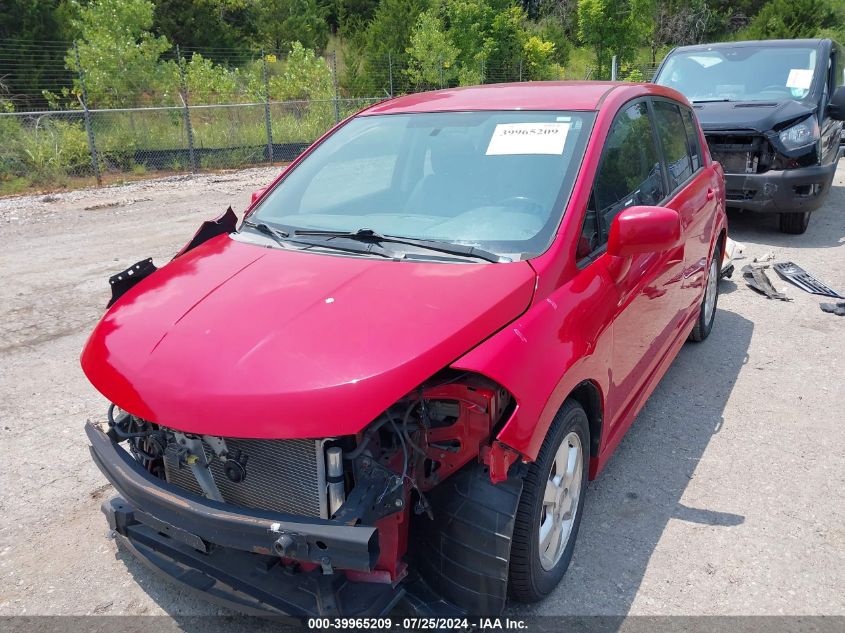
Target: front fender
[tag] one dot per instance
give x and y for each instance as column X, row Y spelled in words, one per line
column 547, row 352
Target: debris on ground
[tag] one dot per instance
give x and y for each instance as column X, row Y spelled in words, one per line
column 733, row 251
column 766, row 257
column 837, row 308
column 797, row 276
column 757, row 279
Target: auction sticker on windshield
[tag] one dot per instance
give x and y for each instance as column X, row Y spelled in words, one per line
column 800, row 78
column 528, row 138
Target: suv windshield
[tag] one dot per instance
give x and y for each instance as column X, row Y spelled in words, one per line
column 742, row 73
column 495, row 180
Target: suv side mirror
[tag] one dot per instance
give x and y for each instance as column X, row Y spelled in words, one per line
column 836, row 106
column 644, row 230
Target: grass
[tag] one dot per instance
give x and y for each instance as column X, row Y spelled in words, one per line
column 51, row 151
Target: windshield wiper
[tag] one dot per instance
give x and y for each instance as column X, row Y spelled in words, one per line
column 710, row 100
column 370, row 236
column 276, row 234
column 283, row 237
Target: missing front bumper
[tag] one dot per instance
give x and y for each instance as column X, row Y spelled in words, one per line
column 320, row 541
column 227, row 553
column 251, row 583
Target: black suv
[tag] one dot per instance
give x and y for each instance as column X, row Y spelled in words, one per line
column 771, row 112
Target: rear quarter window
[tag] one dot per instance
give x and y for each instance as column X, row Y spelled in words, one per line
column 674, row 141
column 693, row 139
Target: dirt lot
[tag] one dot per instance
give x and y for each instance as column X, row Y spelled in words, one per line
column 726, row 497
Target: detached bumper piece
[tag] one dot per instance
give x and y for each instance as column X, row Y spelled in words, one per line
column 250, row 583
column 232, row 554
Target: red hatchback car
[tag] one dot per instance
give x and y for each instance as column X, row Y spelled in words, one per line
column 394, row 379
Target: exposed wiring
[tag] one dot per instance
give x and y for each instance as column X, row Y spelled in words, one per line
column 401, row 441
column 405, row 429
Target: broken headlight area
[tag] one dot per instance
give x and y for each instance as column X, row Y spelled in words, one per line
column 383, row 477
column 803, row 134
column 748, row 152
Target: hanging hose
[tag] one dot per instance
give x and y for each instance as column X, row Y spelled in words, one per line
column 121, row 432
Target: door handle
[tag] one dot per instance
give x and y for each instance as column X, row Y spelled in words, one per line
column 710, row 194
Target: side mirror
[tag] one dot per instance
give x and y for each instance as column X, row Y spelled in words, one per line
column 836, row 106
column 256, row 195
column 644, row 230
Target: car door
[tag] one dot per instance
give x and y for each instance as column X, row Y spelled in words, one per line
column 631, row 173
column 830, row 130
column 691, row 194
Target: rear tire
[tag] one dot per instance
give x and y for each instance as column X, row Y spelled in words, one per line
column 794, row 223
column 539, row 559
column 707, row 311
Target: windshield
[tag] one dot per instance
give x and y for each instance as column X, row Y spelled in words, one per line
column 495, row 180
column 744, row 73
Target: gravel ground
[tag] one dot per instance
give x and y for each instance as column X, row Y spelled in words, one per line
column 726, row 497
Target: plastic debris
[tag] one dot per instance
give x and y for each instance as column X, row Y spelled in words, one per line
column 757, row 279
column 733, row 251
column 797, row 276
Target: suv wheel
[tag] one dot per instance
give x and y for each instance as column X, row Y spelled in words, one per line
column 794, row 223
column 550, row 507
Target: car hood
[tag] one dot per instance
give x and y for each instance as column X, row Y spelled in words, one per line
column 749, row 115
column 238, row 340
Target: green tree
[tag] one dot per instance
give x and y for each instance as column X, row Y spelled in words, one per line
column 283, row 22
column 301, row 75
column 432, row 54
column 614, row 27
column 470, row 41
column 221, row 28
column 791, row 19
column 355, row 13
column 552, row 30
column 26, row 66
column 119, row 54
column 538, row 57
column 470, row 28
column 386, row 38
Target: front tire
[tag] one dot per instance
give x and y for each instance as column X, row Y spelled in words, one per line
column 550, row 507
column 707, row 311
column 794, row 223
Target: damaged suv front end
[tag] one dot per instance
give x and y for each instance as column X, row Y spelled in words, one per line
column 765, row 111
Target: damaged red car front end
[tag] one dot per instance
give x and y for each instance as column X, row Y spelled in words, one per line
column 393, row 379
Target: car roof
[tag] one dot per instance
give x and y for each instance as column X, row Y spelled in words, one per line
column 534, row 95
column 749, row 43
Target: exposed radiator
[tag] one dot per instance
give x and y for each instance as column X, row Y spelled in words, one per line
column 281, row 475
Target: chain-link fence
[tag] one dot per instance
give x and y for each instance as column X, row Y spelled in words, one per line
column 52, row 146
column 193, row 113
